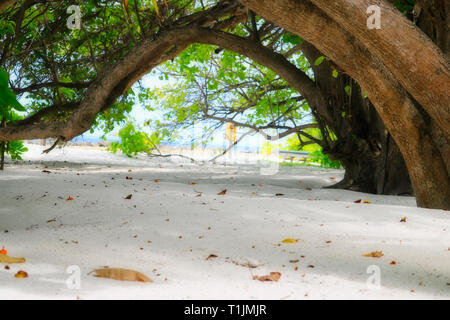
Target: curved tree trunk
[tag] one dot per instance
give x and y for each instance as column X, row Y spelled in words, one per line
column 372, row 161
column 410, row 55
column 404, row 121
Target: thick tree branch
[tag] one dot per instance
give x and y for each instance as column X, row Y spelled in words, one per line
column 398, row 111
column 419, row 65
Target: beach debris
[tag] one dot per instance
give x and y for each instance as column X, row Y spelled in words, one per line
column 375, row 254
column 273, row 277
column 289, row 240
column 121, row 274
column 21, row 274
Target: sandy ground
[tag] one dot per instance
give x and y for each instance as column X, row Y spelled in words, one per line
column 175, row 220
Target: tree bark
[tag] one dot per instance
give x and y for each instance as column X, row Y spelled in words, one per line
column 433, row 18
column 372, row 161
column 5, row 3
column 418, row 64
column 404, row 121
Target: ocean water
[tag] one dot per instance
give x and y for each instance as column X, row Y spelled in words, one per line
column 98, row 139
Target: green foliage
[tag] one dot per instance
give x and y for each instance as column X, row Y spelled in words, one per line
column 405, row 6
column 133, row 142
column 15, row 149
column 8, row 99
column 319, row 61
column 8, row 105
column 335, row 73
column 315, row 151
column 292, row 39
column 323, row 159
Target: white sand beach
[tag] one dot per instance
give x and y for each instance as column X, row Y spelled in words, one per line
column 175, row 220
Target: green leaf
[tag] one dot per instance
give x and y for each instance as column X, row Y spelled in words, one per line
column 8, row 99
column 319, row 61
column 348, row 90
column 4, row 78
column 335, row 73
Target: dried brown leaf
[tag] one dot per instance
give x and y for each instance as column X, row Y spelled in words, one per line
column 273, row 276
column 375, row 254
column 21, row 274
column 7, row 259
column 121, row 274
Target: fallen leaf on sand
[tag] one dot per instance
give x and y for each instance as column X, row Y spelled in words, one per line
column 375, row 254
column 403, row 219
column 6, row 259
column 211, row 256
column 21, row 274
column 367, row 201
column 128, row 197
column 222, row 193
column 273, row 276
column 288, row 240
column 357, row 201
column 121, row 274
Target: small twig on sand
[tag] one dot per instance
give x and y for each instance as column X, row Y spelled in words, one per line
column 172, row 155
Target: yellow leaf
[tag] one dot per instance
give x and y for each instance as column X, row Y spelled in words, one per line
column 375, row 254
column 288, row 240
column 125, row 3
column 155, row 4
column 21, row 274
column 121, row 274
column 6, row 259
